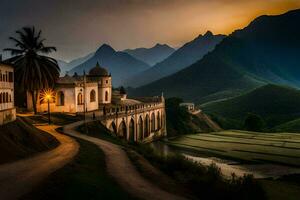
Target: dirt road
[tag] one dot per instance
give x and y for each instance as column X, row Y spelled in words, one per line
column 120, row 167
column 18, row 178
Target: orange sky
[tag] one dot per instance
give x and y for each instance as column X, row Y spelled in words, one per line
column 77, row 27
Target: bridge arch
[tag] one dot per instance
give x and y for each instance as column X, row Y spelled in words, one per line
column 113, row 128
column 158, row 121
column 140, row 132
column 122, row 130
column 147, row 126
column 152, row 122
column 131, row 130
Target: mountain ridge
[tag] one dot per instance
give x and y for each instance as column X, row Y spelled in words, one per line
column 266, row 51
column 186, row 55
column 152, row 55
column 120, row 64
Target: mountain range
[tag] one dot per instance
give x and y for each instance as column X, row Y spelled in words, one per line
column 266, row 51
column 153, row 55
column 65, row 67
column 181, row 58
column 121, row 65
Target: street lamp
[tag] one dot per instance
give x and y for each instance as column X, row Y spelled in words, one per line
column 47, row 95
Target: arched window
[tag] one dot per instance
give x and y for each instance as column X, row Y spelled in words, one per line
column 60, row 98
column 79, row 99
column 1, row 98
column 106, row 96
column 92, row 96
column 6, row 97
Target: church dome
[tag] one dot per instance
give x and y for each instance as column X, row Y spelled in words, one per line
column 98, row 71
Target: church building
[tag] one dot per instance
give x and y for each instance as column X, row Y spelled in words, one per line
column 138, row 120
column 74, row 94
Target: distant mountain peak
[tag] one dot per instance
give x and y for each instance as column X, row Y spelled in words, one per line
column 105, row 49
column 208, row 34
column 161, row 45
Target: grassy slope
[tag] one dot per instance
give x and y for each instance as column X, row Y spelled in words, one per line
column 276, row 104
column 291, row 126
column 19, row 139
column 179, row 121
column 84, row 178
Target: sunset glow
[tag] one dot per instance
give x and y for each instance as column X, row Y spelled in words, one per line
column 129, row 23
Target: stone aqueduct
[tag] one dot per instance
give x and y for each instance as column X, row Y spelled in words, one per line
column 138, row 123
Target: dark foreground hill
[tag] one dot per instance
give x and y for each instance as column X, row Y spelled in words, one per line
column 153, row 55
column 275, row 104
column 121, row 65
column 181, row 58
column 265, row 51
column 19, row 139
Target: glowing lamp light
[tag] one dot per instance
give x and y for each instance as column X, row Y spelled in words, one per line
column 47, row 95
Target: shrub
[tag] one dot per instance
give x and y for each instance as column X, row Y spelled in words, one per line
column 205, row 182
column 254, row 122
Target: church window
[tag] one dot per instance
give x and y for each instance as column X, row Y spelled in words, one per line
column 92, row 96
column 106, row 96
column 79, row 99
column 60, row 98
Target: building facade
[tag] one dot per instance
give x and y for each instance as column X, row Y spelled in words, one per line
column 139, row 120
column 7, row 108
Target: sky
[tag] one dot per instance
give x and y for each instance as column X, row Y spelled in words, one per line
column 78, row 27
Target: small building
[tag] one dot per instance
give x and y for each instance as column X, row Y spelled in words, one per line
column 7, row 107
column 189, row 106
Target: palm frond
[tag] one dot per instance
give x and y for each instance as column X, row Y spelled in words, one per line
column 47, row 49
column 14, row 51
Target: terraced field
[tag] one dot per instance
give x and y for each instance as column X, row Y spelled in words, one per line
column 247, row 147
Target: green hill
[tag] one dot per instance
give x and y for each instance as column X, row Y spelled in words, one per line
column 275, row 104
column 291, row 126
column 266, row 51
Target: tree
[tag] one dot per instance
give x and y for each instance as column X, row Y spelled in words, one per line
column 254, row 122
column 122, row 90
column 34, row 70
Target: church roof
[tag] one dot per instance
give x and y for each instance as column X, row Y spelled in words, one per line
column 98, row 71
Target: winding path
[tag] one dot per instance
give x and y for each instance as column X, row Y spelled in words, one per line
column 20, row 177
column 120, row 167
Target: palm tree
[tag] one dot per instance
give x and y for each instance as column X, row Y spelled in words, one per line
column 34, row 70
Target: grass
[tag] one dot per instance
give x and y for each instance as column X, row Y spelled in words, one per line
column 281, row 148
column 84, row 178
column 56, row 118
column 287, row 187
column 19, row 139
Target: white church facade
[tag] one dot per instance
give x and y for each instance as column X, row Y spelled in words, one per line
column 75, row 93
